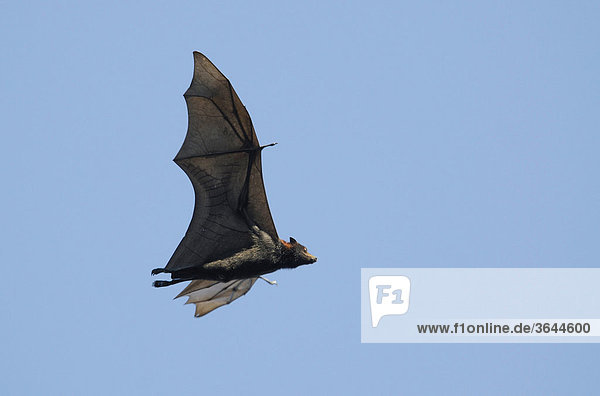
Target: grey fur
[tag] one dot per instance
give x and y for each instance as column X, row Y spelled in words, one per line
column 265, row 256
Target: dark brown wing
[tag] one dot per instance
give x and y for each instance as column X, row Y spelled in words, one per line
column 221, row 156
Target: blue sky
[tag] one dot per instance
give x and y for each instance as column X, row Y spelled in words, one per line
column 429, row 134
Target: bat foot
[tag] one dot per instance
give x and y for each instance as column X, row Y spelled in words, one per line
column 161, row 283
column 157, row 271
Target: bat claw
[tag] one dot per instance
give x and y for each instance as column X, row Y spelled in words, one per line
column 270, row 282
column 157, row 271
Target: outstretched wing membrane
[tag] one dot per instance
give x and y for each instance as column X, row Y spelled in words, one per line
column 210, row 295
column 221, row 156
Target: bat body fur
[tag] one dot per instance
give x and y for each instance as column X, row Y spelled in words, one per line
column 263, row 257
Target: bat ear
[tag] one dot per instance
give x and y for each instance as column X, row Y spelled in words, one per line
column 293, row 241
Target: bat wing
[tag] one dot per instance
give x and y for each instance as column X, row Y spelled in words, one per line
column 221, row 156
column 210, row 295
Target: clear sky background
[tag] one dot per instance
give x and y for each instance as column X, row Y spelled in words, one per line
column 449, row 134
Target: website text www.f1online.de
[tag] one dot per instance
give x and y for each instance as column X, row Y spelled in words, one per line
column 499, row 328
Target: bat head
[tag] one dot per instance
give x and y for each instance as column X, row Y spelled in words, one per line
column 296, row 254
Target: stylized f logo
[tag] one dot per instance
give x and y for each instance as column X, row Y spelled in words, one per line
column 389, row 295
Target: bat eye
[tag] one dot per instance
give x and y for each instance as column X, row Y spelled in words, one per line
column 305, row 250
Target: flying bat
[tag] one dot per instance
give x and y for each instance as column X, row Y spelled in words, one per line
column 231, row 241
